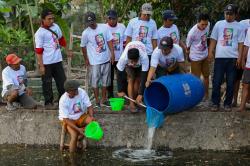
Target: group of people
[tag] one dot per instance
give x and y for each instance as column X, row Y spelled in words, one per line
column 137, row 54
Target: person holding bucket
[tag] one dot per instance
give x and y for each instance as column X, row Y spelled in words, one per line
column 135, row 62
column 75, row 111
column 167, row 58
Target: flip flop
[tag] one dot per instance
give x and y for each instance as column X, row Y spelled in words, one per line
column 136, row 110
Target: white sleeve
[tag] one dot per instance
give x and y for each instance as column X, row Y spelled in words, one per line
column 109, row 35
column 241, row 36
column 6, row 78
column 121, row 63
column 155, row 58
column 144, row 61
column 63, row 109
column 129, row 30
column 214, row 34
column 84, row 39
column 59, row 32
column 189, row 38
column 86, row 100
column 39, row 39
column 247, row 39
column 180, row 57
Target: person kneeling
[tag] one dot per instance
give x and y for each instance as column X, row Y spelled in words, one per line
column 15, row 90
column 135, row 61
column 75, row 111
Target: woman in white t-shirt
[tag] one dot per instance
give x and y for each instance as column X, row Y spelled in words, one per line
column 75, row 111
column 167, row 58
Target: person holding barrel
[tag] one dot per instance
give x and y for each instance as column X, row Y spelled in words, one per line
column 167, row 58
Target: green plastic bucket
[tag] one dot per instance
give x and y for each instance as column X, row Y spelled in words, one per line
column 94, row 131
column 116, row 104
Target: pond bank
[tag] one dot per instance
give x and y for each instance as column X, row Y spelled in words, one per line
column 195, row 129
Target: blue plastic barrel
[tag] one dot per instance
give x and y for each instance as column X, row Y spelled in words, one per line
column 174, row 93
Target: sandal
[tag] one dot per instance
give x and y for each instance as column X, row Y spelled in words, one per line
column 133, row 110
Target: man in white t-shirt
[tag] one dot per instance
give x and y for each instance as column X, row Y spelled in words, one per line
column 228, row 37
column 117, row 30
column 98, row 53
column 170, row 29
column 75, row 111
column 15, row 90
column 167, row 58
column 143, row 29
column 134, row 61
column 198, row 50
column 246, row 73
column 48, row 40
column 246, row 24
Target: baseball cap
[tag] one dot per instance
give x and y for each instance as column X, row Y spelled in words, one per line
column 133, row 54
column 166, row 42
column 112, row 14
column 12, row 59
column 231, row 8
column 90, row 18
column 71, row 85
column 146, row 9
column 169, row 14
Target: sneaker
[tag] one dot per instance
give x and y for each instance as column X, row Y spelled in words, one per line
column 10, row 107
column 215, row 107
column 50, row 106
column 105, row 104
column 227, row 108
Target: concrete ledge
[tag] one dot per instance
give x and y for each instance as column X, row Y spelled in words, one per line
column 188, row 130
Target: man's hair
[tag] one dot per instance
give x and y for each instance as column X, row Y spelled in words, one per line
column 45, row 13
column 203, row 16
column 133, row 54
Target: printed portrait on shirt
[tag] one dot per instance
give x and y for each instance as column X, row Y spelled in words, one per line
column 203, row 44
column 173, row 35
column 77, row 107
column 100, row 42
column 143, row 33
column 20, row 79
column 56, row 41
column 227, row 37
column 116, row 41
column 167, row 63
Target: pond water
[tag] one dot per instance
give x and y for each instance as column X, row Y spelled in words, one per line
column 41, row 156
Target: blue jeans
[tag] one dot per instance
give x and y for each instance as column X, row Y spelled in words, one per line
column 224, row 67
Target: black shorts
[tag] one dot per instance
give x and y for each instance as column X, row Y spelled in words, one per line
column 133, row 73
column 246, row 77
column 239, row 73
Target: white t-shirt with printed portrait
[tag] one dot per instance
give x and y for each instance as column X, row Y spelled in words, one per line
column 143, row 59
column 95, row 40
column 197, row 42
column 245, row 24
column 118, row 39
column 73, row 108
column 15, row 78
column 143, row 31
column 50, row 43
column 247, row 43
column 172, row 32
column 228, row 35
column 167, row 61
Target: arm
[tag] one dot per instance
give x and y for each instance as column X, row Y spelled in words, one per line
column 182, row 67
column 72, row 125
column 211, row 48
column 154, row 43
column 239, row 59
column 84, row 53
column 121, row 86
column 129, row 39
column 150, row 75
column 111, row 48
column 142, row 86
column 244, row 56
column 90, row 111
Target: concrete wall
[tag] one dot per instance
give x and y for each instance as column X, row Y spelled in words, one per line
column 187, row 130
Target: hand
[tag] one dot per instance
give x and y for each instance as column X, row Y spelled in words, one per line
column 81, row 130
column 70, row 53
column 87, row 63
column 29, row 91
column 238, row 63
column 147, row 84
column 210, row 58
column 42, row 69
column 139, row 99
column 112, row 60
column 121, row 94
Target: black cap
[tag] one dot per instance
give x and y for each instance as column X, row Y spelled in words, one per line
column 133, row 54
column 231, row 8
column 166, row 42
column 112, row 13
column 169, row 14
column 90, row 18
column 71, row 85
